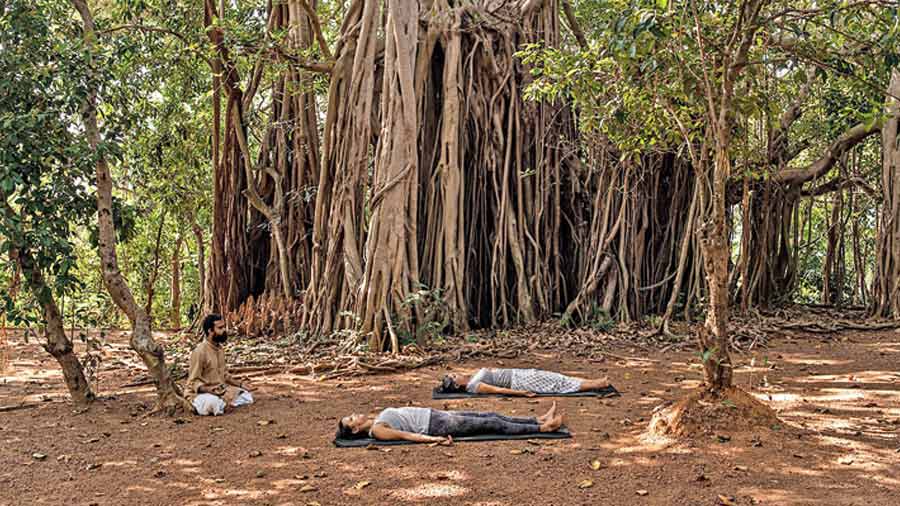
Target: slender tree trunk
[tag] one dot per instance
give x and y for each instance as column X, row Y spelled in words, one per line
column 154, row 274
column 201, row 267
column 176, row 285
column 829, row 267
column 859, row 262
column 209, row 300
column 746, row 228
column 57, row 344
column 713, row 338
column 151, row 353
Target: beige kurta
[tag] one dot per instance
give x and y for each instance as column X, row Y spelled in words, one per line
column 208, row 368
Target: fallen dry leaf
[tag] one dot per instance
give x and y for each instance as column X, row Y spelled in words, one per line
column 308, row 488
column 586, row 484
column 596, row 465
column 724, row 500
column 361, row 485
column 642, row 492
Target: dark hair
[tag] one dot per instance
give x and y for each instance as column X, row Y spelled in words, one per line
column 344, row 432
column 449, row 386
column 209, row 322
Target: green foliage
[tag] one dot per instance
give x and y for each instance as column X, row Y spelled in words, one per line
column 45, row 167
column 706, row 354
column 596, row 319
column 430, row 313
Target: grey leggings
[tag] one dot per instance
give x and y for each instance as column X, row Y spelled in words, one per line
column 472, row 423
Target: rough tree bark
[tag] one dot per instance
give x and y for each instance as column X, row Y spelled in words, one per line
column 714, row 233
column 267, row 224
column 151, row 353
column 337, row 265
column 886, row 289
column 391, row 254
column 230, row 276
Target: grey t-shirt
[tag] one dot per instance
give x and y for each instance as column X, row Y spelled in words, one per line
column 414, row 420
column 497, row 377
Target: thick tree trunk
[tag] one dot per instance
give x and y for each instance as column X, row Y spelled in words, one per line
column 337, row 265
column 391, row 251
column 151, row 353
column 886, row 290
column 231, row 275
column 448, row 269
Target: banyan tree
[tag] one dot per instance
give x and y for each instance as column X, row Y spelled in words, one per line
column 433, row 173
column 426, row 190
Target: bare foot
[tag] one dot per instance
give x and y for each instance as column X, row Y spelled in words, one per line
column 554, row 424
column 596, row 384
column 549, row 414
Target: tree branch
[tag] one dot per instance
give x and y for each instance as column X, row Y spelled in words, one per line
column 820, row 167
column 156, row 29
column 573, row 24
column 317, row 28
column 840, row 183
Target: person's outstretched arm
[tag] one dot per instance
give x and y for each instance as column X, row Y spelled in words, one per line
column 385, row 433
column 491, row 389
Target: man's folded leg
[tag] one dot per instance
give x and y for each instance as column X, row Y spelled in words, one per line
column 242, row 399
column 208, row 404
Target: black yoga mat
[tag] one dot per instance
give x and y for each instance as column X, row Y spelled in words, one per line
column 562, row 433
column 609, row 391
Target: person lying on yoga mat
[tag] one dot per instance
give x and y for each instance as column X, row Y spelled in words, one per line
column 521, row 382
column 426, row 425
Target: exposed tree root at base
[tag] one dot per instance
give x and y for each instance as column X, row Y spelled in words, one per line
column 703, row 413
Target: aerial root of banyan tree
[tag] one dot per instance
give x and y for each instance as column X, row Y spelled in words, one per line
column 437, row 174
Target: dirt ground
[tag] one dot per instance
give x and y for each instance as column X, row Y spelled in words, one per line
column 838, row 399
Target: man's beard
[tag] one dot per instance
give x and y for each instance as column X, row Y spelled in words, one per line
column 220, row 338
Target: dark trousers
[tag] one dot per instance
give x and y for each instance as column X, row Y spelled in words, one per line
column 473, row 423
